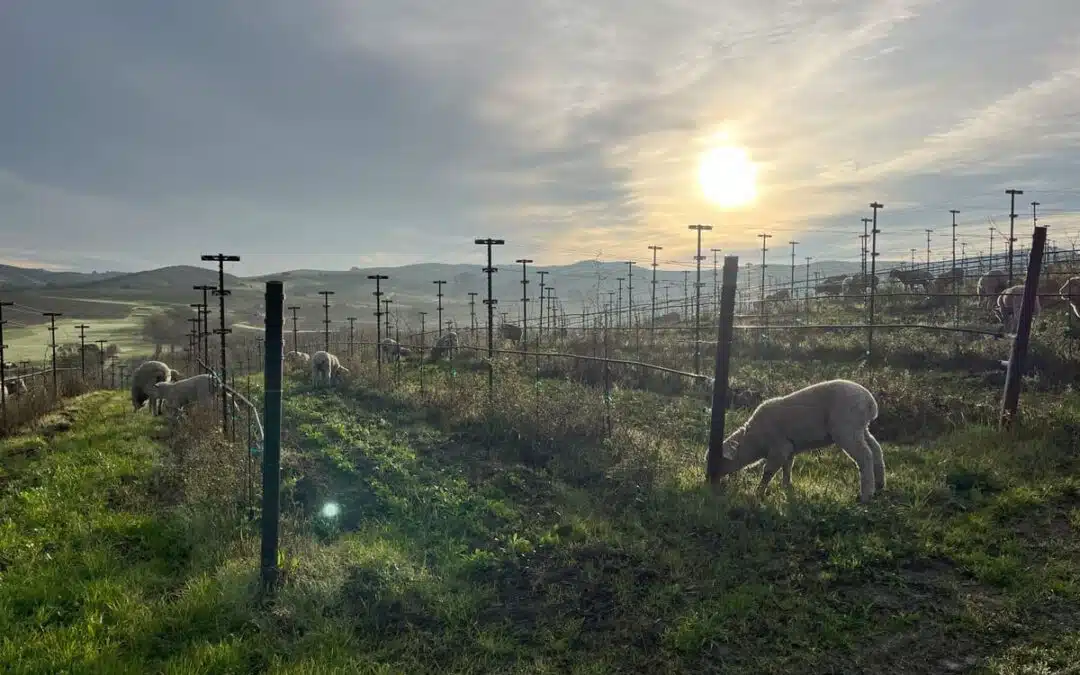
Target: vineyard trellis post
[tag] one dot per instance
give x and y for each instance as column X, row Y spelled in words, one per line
column 1012, row 227
column 221, row 292
column 630, row 294
column 82, row 349
column 271, row 464
column 763, row 314
column 540, row 325
column 101, row 362
column 204, row 321
column 1011, row 397
column 652, row 322
column 524, row 305
column 378, row 322
column 3, row 362
column 423, row 329
column 952, row 272
column 326, row 318
column 295, row 337
column 439, row 296
column 352, row 330
column 472, row 314
column 697, row 296
column 807, row 291
column 871, row 280
column 490, row 301
column 725, row 335
column 52, row 329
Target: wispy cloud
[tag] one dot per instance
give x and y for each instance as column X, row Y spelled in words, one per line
column 309, row 134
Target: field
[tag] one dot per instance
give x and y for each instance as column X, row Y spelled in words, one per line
column 32, row 342
column 553, row 529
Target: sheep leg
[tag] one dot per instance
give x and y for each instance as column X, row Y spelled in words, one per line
column 879, row 460
column 859, row 450
column 786, row 478
column 778, row 458
column 771, row 467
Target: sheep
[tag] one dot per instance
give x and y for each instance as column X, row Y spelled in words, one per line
column 325, row 367
column 814, row 417
column 297, row 359
column 509, row 331
column 912, row 277
column 187, row 391
column 148, row 374
column 13, row 388
column 391, row 350
column 174, row 375
column 447, row 344
column 1008, row 307
column 990, row 286
column 1069, row 292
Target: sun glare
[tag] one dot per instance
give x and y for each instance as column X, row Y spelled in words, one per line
column 727, row 177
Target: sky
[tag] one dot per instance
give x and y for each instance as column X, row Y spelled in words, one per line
column 332, row 133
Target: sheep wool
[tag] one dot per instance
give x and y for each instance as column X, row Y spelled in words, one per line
column 148, row 374
column 187, row 391
column 814, row 417
column 325, row 367
column 991, row 285
column 446, row 345
column 1070, row 293
column 1008, row 306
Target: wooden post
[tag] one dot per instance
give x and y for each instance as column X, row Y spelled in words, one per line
column 1010, row 400
column 725, row 334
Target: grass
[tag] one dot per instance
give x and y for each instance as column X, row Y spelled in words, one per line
column 31, row 343
column 422, row 534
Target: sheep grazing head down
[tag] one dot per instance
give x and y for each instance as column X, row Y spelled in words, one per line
column 736, row 453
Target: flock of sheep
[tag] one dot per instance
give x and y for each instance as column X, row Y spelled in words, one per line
column 995, row 294
column 817, row 416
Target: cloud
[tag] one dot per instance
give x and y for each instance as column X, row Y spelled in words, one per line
column 332, row 132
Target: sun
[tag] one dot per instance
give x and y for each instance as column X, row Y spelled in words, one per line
column 728, row 177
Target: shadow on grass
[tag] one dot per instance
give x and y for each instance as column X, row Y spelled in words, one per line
column 578, row 558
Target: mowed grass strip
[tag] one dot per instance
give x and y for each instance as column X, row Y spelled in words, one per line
column 450, row 554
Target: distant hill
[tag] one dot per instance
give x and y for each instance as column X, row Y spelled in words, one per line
column 411, row 288
column 176, row 276
column 12, row 277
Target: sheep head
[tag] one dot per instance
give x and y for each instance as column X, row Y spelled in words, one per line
column 736, row 453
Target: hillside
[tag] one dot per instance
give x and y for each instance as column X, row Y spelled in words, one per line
column 410, row 288
column 12, row 277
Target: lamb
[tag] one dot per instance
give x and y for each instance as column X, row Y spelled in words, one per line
column 1008, row 307
column 187, row 391
column 325, row 366
column 1070, row 293
column 814, row 417
column 991, row 285
column 143, row 380
column 447, row 344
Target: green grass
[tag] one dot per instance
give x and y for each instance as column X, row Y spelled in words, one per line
column 532, row 543
column 31, row 343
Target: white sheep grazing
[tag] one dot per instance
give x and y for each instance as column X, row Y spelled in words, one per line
column 148, row 374
column 187, row 391
column 390, row 349
column 447, row 344
column 814, row 417
column 297, row 359
column 13, row 388
column 325, row 367
column 991, row 285
column 1008, row 307
column 1070, row 293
